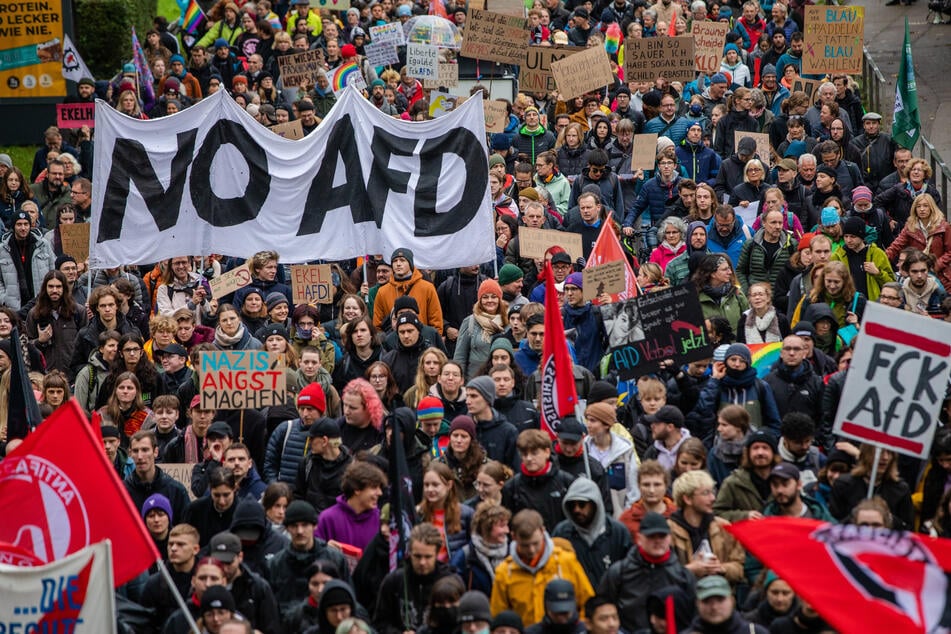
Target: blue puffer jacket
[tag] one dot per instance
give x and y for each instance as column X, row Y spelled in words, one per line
column 285, row 451
column 700, row 162
column 654, row 196
column 675, row 131
column 732, row 244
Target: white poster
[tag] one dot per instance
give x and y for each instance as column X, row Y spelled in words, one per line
column 391, row 33
column 422, row 61
column 212, row 180
column 381, row 53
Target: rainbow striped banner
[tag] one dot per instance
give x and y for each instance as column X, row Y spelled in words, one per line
column 194, row 18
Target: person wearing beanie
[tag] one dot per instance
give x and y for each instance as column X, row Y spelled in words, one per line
column 489, row 318
column 464, row 457
column 511, row 280
column 111, row 437
column 868, row 264
column 319, row 478
column 474, row 614
column 288, row 442
column 407, row 280
column 433, row 429
column 496, row 435
column 678, row 269
column 878, row 227
column 743, row 495
column 508, row 377
column 217, row 607
column 158, row 517
column 403, row 360
column 532, row 138
column 585, row 319
column 458, row 294
column 507, row 622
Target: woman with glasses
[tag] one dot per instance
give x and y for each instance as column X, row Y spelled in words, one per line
column 672, row 229
column 737, row 118
column 762, row 323
column 131, row 358
column 380, row 377
column 753, row 186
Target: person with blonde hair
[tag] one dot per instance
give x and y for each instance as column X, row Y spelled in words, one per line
column 926, row 230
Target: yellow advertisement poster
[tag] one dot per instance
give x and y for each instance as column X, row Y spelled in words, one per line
column 31, row 49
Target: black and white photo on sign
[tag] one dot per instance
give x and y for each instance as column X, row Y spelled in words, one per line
column 622, row 322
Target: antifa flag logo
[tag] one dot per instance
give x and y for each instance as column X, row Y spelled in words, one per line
column 894, row 569
column 549, row 394
column 70, row 61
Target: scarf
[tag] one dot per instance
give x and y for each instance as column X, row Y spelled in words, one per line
column 535, row 474
column 728, row 451
column 763, row 329
column 533, row 567
column 914, row 298
column 191, row 446
column 225, row 341
column 718, row 293
column 489, row 555
column 133, row 422
column 490, row 324
column 654, row 560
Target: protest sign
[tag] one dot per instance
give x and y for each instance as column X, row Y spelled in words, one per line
column 763, row 149
column 448, row 77
column 496, row 115
column 348, row 74
column 649, row 58
column 292, row 130
column 181, row 472
column 422, row 61
column 442, row 103
column 832, row 42
column 893, row 394
column 75, row 239
column 586, row 71
column 301, row 69
column 381, row 53
column 75, row 115
column 532, row 243
column 535, row 71
column 246, row 379
column 494, row 37
column 311, row 284
column 644, row 152
column 604, row 278
column 391, row 33
column 230, row 281
column 653, row 327
column 507, row 7
column 708, row 38
column 807, row 86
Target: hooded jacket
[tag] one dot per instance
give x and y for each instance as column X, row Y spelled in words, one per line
column 403, row 598
column 403, row 361
column 542, row 493
column 533, row 142
column 318, row 479
column 730, row 245
column 457, row 295
column 497, row 437
column 285, row 451
column 342, row 523
column 163, row 483
column 729, row 176
column 601, row 543
column 288, row 571
column 258, row 552
column 702, row 163
column 747, row 391
column 611, row 194
column 796, row 389
column 423, row 291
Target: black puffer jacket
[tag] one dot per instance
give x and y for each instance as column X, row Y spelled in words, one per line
column 288, row 568
column 255, row 600
column 497, row 437
column 796, row 389
column 520, row 413
column 542, row 493
column 318, row 479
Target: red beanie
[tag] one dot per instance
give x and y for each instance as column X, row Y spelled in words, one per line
column 313, row 395
column 348, row 50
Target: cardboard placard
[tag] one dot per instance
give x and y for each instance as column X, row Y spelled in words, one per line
column 535, row 71
column 496, row 115
column 422, row 61
column 76, row 240
column 331, row 5
column 448, row 77
column 230, row 281
column 532, row 243
column 75, row 115
column 763, row 149
column 708, row 40
column 649, row 58
column 311, row 284
column 586, row 71
column 301, row 68
column 832, row 41
column 604, row 278
column 879, row 408
column 181, row 472
column 442, row 103
column 381, row 53
column 644, row 152
column 292, row 130
column 508, row 7
column 494, row 37
column 391, row 33
column 247, row 379
column 808, row 86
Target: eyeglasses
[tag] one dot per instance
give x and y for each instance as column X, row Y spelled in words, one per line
column 889, row 298
column 132, row 350
column 596, row 168
column 793, row 348
column 753, row 170
column 666, row 163
column 77, row 192
column 378, row 377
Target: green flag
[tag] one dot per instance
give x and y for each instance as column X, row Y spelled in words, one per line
column 906, row 127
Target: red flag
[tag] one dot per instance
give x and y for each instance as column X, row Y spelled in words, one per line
column 59, row 494
column 672, row 29
column 558, row 394
column 607, row 248
column 859, row 579
column 437, row 7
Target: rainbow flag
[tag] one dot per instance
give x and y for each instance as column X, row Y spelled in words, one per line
column 142, row 67
column 347, row 74
column 194, row 18
column 764, row 356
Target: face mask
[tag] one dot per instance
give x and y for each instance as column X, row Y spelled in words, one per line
column 444, row 616
column 696, row 109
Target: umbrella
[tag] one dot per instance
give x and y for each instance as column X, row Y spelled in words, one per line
column 434, row 30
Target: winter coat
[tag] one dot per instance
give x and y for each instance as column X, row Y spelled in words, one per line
column 89, row 381
column 342, row 524
column 748, row 392
column 875, row 254
column 702, row 163
column 590, row 336
column 875, row 157
column 620, row 464
column 729, row 176
column 733, row 121
column 937, row 243
column 750, row 193
column 533, row 142
column 522, row 414
column 423, row 291
column 542, row 493
column 285, row 451
column 473, row 347
column 318, row 480
column 730, row 245
column 404, row 361
column 404, row 597
column 579, row 466
column 849, row 490
column 724, row 546
column 255, row 601
column 736, row 624
column 163, row 483
column 41, row 261
column 674, row 130
column 288, row 571
column 526, row 358
column 731, row 307
column 897, row 200
column 202, row 514
column 257, row 554
column 656, row 196
column 753, row 266
column 58, row 351
column 558, row 188
column 497, row 437
column 737, row 497
column 572, row 160
column 611, row 195
column 457, row 295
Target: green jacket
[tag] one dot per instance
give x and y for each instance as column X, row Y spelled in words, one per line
column 737, row 497
column 730, row 308
column 752, row 266
column 559, row 189
column 877, row 256
column 677, row 271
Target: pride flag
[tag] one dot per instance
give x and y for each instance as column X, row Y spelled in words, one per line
column 194, row 18
column 146, row 80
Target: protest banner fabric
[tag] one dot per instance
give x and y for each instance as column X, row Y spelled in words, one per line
column 311, row 284
column 353, row 175
column 603, row 278
column 583, row 72
column 331, row 5
column 75, row 115
column 391, row 33
column 708, row 38
column 893, row 397
column 73, row 594
column 301, row 69
column 833, row 38
column 74, row 68
column 535, row 71
column 532, row 243
column 247, row 379
column 422, row 61
column 75, row 239
column 230, row 281
column 649, row 58
column 31, row 49
column 607, row 248
column 494, row 37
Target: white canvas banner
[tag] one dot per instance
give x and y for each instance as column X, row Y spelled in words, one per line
column 73, row 594
column 210, row 179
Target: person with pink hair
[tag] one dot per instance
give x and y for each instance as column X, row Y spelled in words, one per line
column 362, row 420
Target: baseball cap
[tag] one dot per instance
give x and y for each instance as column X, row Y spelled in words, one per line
column 654, row 524
column 570, row 429
column 560, row 596
column 784, row 470
column 172, row 348
column 324, row 427
column 713, row 586
column 804, row 329
column 667, row 414
column 788, row 164
column 219, row 428
column 225, row 546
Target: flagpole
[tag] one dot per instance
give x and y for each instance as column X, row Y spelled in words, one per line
column 178, row 598
column 584, row 447
column 874, row 472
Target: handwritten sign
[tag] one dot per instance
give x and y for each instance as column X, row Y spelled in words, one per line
column 644, row 152
column 301, row 69
column 604, row 278
column 807, row 86
column 181, row 472
column 763, row 149
column 496, row 115
column 76, row 240
column 583, row 72
column 391, row 33
column 494, row 37
column 311, row 284
column 535, row 71
column 508, row 7
column 448, row 77
column 532, row 243
column 381, row 53
column 247, row 379
column 832, row 42
column 708, row 39
column 653, row 57
column 442, row 103
column 422, row 61
column 75, row 115
column 292, row 130
column 229, row 282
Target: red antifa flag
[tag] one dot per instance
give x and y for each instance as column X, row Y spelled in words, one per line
column 860, row 579
column 558, row 394
column 59, row 494
column 607, row 248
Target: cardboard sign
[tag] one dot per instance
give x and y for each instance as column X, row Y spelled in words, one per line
column 532, row 243
column 381, row 53
column 708, row 40
column 181, row 472
column 292, row 130
column 448, row 77
column 247, row 379
column 832, row 41
column 422, row 61
column 649, row 58
column 808, row 86
column 442, row 103
column 581, row 73
column 535, row 71
column 301, row 69
column 76, row 240
column 644, row 152
column 893, row 394
column 763, row 148
column 604, row 278
column 391, row 33
column 75, row 115
column 496, row 115
column 494, row 37
column 653, row 327
column 311, row 284
column 230, row 281
column 331, row 5
column 508, row 7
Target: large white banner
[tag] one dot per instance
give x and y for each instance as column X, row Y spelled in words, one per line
column 73, row 594
column 212, row 180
